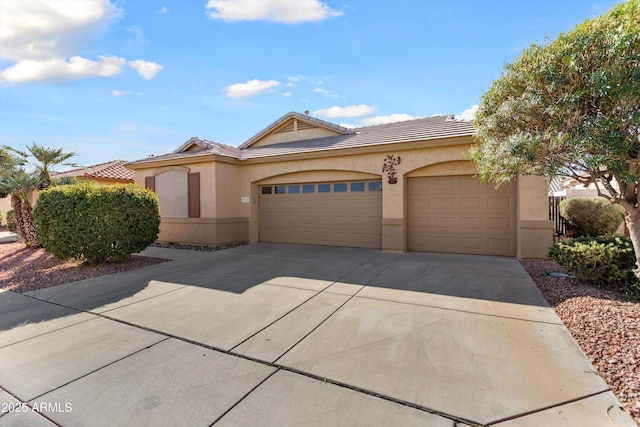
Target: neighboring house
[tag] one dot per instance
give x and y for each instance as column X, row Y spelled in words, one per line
column 112, row 172
column 108, row 173
column 399, row 186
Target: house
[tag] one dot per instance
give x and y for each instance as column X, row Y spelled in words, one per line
column 112, row 172
column 399, row 186
column 108, row 173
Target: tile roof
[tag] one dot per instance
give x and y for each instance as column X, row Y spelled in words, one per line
column 412, row 130
column 207, row 148
column 110, row 170
column 430, row 128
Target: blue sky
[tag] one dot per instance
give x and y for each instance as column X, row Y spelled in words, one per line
column 127, row 79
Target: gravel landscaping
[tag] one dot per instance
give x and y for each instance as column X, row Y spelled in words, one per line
column 24, row 270
column 606, row 324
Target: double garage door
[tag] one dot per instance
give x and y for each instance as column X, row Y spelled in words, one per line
column 456, row 214
column 334, row 213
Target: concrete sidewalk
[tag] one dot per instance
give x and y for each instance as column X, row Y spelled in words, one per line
column 277, row 335
column 8, row 237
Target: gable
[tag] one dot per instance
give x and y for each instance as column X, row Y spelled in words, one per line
column 295, row 127
column 294, row 130
column 193, row 147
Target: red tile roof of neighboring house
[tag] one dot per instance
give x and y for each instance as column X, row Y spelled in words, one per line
column 109, row 170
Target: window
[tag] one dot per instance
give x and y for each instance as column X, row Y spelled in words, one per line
column 375, row 186
column 265, row 190
column 308, row 188
column 294, row 189
column 340, row 188
column 280, row 189
column 324, row 188
column 357, row 187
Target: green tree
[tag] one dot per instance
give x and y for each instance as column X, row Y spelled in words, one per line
column 43, row 160
column 20, row 185
column 6, row 168
column 571, row 107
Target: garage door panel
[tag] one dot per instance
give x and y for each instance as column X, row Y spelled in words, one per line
column 333, row 218
column 479, row 218
column 498, row 245
column 504, row 224
column 471, row 224
column 471, row 244
column 470, row 202
column 500, row 203
column 443, row 223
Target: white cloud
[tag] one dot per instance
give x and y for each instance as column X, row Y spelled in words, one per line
column 326, row 93
column 391, row 118
column 42, row 38
column 54, row 70
column 44, row 29
column 287, row 11
column 302, row 78
column 346, row 112
column 163, row 10
column 250, row 88
column 287, row 94
column 124, row 92
column 469, row 114
column 146, row 69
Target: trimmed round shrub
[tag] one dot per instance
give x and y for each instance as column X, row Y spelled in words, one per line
column 607, row 262
column 591, row 216
column 95, row 223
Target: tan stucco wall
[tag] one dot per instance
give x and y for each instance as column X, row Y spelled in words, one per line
column 534, row 229
column 219, row 220
column 5, row 206
column 224, row 184
column 227, row 194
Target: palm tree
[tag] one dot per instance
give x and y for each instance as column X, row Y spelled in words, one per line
column 46, row 159
column 20, row 185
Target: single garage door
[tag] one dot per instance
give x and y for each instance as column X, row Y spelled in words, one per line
column 461, row 214
column 332, row 213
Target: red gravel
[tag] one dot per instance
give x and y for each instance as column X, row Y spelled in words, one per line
column 24, row 270
column 606, row 325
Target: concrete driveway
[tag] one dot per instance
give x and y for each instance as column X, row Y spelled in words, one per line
column 273, row 334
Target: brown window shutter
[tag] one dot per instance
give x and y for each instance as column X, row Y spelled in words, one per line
column 150, row 183
column 194, row 195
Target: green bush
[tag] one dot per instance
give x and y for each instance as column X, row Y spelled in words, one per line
column 608, row 262
column 96, row 223
column 591, row 216
column 11, row 225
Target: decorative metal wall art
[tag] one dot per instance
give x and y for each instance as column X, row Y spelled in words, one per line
column 389, row 162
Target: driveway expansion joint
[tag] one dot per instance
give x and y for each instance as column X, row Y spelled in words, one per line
column 98, row 369
column 460, row 311
column 556, row 405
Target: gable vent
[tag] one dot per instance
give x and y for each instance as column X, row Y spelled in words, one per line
column 286, row 128
column 304, row 125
